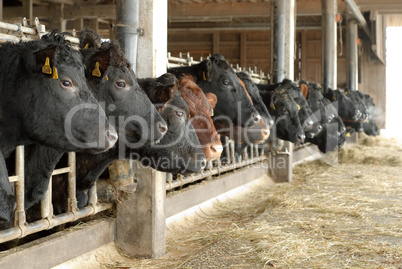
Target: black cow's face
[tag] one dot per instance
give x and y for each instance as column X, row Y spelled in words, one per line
column 179, row 151
column 60, row 111
column 309, row 121
column 234, row 108
column 359, row 101
column 345, row 107
column 126, row 104
column 285, row 112
column 320, row 106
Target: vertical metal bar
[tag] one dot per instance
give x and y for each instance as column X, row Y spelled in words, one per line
column 252, row 151
column 227, row 150
column 46, row 201
column 329, row 45
column 256, row 150
column 282, row 66
column 351, row 53
column 232, row 151
column 20, row 218
column 72, row 198
column 1, row 9
column 282, row 39
column 128, row 17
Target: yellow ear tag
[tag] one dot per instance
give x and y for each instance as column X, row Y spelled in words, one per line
column 46, row 69
column 346, row 92
column 96, row 72
column 273, row 106
column 298, row 106
column 333, row 98
column 55, row 75
column 86, row 45
column 203, row 75
column 347, row 134
column 212, row 113
column 106, row 78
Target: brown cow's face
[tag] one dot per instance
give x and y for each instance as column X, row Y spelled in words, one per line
column 201, row 110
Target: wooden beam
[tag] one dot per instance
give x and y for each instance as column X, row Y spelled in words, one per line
column 215, row 44
column 90, row 11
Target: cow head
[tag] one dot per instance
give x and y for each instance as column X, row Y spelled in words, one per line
column 179, row 151
column 55, row 106
column 201, row 110
column 345, row 107
column 114, row 83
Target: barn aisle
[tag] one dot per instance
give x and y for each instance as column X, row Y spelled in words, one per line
column 331, row 216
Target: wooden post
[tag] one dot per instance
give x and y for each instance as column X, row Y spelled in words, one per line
column 56, row 20
column 141, row 224
column 215, row 44
column 79, row 24
column 27, row 10
column 94, row 25
column 1, row 9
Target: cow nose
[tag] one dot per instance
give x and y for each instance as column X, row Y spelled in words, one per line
column 300, row 137
column 265, row 133
column 343, row 129
column 162, row 128
column 256, row 118
column 203, row 163
column 111, row 137
column 319, row 128
column 216, row 149
column 270, row 123
column 309, row 125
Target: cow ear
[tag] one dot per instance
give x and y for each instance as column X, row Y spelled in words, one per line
column 212, row 99
column 99, row 62
column 167, row 79
column 44, row 59
column 304, row 89
column 206, row 70
column 89, row 39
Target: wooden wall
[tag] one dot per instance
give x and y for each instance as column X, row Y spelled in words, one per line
column 253, row 48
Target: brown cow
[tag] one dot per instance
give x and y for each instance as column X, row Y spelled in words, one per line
column 201, row 110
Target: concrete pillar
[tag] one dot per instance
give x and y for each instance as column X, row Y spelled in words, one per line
column 329, row 45
column 352, row 81
column 141, row 224
column 283, row 26
column 152, row 47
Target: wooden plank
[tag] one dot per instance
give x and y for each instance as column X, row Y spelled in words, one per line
column 60, row 247
column 194, row 196
column 216, row 42
column 303, row 55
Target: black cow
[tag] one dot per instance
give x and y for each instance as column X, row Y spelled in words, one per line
column 179, row 151
column 114, row 84
column 344, row 106
column 370, row 126
column 45, row 100
column 332, row 134
column 215, row 75
column 359, row 101
column 284, row 111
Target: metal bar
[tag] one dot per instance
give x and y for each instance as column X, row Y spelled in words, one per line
column 43, row 224
column 18, row 28
column 329, row 44
column 217, row 170
column 19, row 189
column 10, row 38
column 127, row 29
column 351, row 54
column 61, row 171
column 282, row 39
column 46, row 202
column 71, row 193
column 355, row 11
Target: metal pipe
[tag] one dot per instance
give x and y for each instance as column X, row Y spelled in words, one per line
column 355, row 11
column 282, row 39
column 18, row 28
column 43, row 224
column 351, row 53
column 127, row 29
column 198, row 176
column 329, row 45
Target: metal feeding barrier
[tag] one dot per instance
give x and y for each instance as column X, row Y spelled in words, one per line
column 21, row 228
column 252, row 153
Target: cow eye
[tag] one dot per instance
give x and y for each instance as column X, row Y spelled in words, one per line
column 120, row 83
column 225, row 82
column 284, row 110
column 179, row 114
column 66, row 83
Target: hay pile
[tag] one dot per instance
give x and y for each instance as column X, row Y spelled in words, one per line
column 343, row 216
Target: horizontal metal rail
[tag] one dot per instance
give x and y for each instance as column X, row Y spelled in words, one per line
column 18, row 28
column 44, row 224
column 179, row 182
